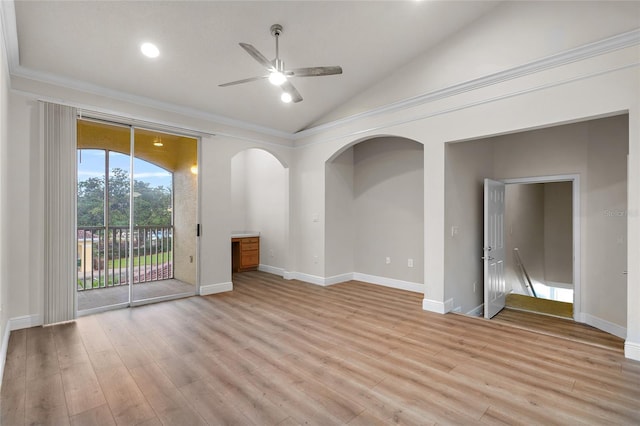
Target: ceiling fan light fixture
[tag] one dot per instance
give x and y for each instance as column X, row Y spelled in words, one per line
column 277, row 78
column 286, row 97
column 150, row 50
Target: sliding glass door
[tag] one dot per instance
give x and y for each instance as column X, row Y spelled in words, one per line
column 164, row 211
column 134, row 246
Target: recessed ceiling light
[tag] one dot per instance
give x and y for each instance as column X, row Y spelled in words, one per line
column 285, row 97
column 149, row 50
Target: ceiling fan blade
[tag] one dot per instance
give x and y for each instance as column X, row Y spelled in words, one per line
column 257, row 56
column 314, row 71
column 290, row 89
column 244, row 80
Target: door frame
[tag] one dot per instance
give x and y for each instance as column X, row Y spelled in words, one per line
column 134, row 124
column 575, row 206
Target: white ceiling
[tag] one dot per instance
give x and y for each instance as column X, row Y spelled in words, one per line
column 95, row 45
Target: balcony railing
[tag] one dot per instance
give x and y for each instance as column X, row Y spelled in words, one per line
column 104, row 255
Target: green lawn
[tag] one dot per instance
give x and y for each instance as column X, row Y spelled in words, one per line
column 150, row 259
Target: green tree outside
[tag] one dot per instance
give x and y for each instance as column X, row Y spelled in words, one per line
column 152, row 205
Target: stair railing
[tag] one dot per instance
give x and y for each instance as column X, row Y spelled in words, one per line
column 524, row 273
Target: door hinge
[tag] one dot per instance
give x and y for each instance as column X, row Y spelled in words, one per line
column 197, row 230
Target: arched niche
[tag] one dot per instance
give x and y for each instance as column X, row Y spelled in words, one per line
column 260, row 203
column 374, row 211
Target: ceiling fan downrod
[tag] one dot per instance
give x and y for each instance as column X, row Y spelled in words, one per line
column 276, row 30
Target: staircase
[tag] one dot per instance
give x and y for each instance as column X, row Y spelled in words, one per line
column 540, row 306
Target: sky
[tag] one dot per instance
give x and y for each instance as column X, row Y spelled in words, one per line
column 92, row 165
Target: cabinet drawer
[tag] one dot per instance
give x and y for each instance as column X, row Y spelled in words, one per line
column 251, row 258
column 251, row 240
column 250, row 246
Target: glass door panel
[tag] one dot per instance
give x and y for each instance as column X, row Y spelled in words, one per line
column 102, row 215
column 164, row 211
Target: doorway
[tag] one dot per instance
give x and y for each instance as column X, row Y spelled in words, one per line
column 542, row 233
column 136, row 216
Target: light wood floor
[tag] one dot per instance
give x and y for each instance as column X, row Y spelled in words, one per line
column 284, row 352
column 560, row 327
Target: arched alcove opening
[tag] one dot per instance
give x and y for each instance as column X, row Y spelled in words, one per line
column 374, row 228
column 260, row 204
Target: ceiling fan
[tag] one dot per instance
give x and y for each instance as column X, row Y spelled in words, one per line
column 280, row 76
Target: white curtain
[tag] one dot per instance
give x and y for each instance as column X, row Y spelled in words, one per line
column 58, row 138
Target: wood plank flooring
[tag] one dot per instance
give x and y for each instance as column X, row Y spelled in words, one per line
column 559, row 327
column 276, row 352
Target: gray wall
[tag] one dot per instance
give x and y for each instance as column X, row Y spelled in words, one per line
column 466, row 167
column 539, row 223
column 524, row 219
column 340, row 220
column 558, row 233
column 375, row 209
column 597, row 151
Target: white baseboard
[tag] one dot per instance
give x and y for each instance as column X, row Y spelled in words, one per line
column 357, row 276
column 337, row 279
column 3, row 350
column 215, row 288
column 632, row 350
column 389, row 282
column 25, row 321
column 307, row 278
column 437, row 306
column 271, row 270
column 477, row 311
column 609, row 327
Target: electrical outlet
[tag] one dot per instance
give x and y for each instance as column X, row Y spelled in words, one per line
column 454, row 231
column 387, row 260
column 410, row 263
column 315, row 259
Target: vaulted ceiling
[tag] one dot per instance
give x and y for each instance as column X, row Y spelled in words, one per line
column 95, row 46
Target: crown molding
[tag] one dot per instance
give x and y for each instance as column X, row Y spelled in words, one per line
column 94, row 89
column 8, row 19
column 617, row 42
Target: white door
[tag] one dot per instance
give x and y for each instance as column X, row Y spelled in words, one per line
column 494, row 248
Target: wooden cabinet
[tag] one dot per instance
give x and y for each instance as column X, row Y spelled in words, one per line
column 245, row 254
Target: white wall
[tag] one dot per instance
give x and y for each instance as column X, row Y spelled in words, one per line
column 259, row 200
column 5, row 225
